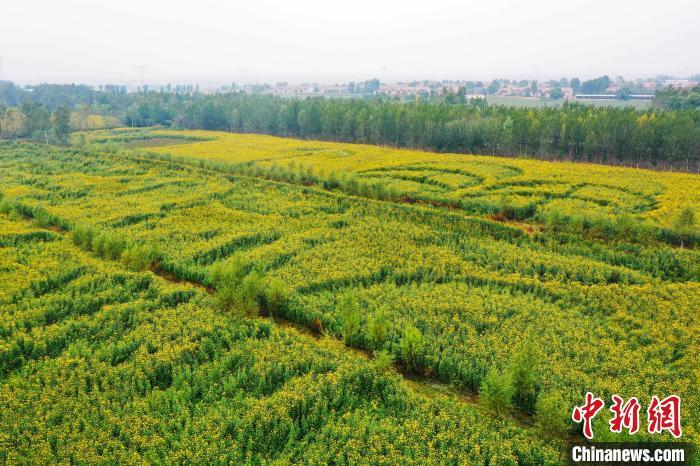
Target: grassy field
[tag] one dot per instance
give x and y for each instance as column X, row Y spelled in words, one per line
column 538, row 102
column 156, row 288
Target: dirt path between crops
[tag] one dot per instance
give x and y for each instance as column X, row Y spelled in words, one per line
column 422, row 385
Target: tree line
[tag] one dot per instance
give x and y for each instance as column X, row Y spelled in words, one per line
column 35, row 121
column 572, row 132
column 679, row 99
column 666, row 136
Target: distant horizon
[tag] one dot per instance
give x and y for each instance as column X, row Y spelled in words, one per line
column 216, row 42
column 215, row 83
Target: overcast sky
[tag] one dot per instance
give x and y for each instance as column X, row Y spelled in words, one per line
column 217, row 41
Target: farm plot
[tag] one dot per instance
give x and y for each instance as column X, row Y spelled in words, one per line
column 606, row 316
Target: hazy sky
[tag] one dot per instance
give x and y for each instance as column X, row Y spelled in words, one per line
column 217, row 41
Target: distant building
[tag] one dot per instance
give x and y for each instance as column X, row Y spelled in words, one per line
column 512, row 90
column 336, row 89
column 300, row 90
column 399, row 90
column 681, row 83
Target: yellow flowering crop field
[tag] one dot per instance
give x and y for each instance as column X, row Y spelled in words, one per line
column 204, row 297
column 585, row 189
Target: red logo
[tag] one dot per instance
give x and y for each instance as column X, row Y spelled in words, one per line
column 587, row 412
column 665, row 415
column 625, row 416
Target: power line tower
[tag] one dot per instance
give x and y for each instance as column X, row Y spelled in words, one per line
column 141, row 70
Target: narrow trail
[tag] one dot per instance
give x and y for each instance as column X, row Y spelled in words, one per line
column 423, row 386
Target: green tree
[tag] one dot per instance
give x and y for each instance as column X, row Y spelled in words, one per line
column 534, row 87
column 378, row 326
column 251, row 294
column 493, row 88
column 140, row 257
column 596, row 86
column 685, row 225
column 496, row 391
column 575, row 84
column 38, row 120
column 231, row 272
column 275, row 298
column 350, row 317
column 411, row 346
column 60, row 124
column 624, row 93
column 236, row 290
column 507, row 135
column 556, row 93
column 13, row 123
column 523, row 376
column 382, row 361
